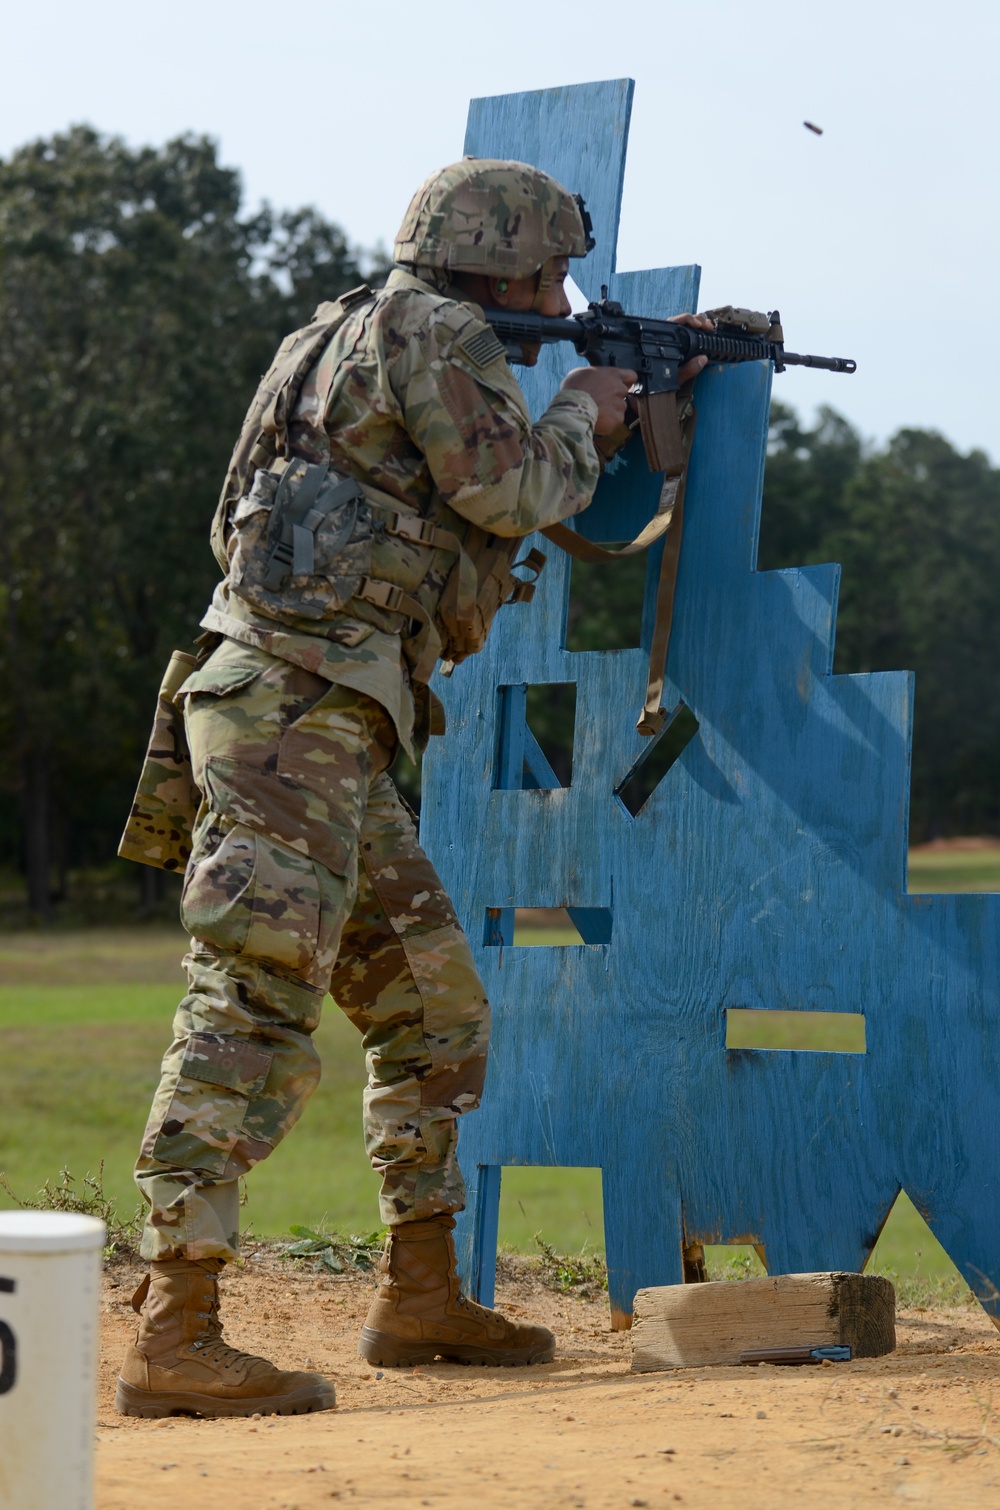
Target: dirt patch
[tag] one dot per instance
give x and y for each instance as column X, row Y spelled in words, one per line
column 916, row 1426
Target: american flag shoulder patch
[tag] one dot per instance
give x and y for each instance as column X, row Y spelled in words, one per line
column 482, row 348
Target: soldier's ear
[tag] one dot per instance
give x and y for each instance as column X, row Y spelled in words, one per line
column 500, row 292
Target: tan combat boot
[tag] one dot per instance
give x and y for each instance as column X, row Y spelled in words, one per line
column 179, row 1361
column 419, row 1312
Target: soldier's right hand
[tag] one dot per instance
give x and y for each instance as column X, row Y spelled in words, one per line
column 608, row 387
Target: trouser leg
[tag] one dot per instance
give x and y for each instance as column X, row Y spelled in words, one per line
column 265, row 909
column 406, row 978
column 235, row 1079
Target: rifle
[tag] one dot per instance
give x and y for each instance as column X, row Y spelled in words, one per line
column 656, row 350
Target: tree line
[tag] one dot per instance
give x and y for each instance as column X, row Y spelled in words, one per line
column 138, row 307
column 139, row 302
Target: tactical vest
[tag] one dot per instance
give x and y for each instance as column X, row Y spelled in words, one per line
column 302, row 543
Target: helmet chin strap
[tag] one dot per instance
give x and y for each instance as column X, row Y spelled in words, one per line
column 543, row 284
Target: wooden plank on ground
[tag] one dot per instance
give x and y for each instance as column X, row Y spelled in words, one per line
column 689, row 1326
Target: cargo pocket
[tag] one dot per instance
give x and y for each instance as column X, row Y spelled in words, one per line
column 217, row 1076
column 218, row 697
column 254, row 897
column 284, row 908
column 222, row 675
column 218, row 887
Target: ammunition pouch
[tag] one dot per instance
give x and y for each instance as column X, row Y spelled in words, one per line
column 300, row 543
column 497, row 586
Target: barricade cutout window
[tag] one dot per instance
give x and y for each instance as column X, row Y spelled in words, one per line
column 905, row 1242
column 548, row 927
column 535, row 736
column 605, row 605
column 553, row 1210
column 663, row 751
column 802, row 1032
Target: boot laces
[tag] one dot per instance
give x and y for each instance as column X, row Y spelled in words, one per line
column 210, row 1346
column 481, row 1313
column 214, row 1351
column 213, row 1325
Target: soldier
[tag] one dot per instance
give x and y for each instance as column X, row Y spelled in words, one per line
column 378, row 495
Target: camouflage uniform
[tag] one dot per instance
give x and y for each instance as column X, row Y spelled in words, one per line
column 398, row 402
column 291, row 727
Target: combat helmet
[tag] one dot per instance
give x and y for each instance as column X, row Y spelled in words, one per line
column 485, row 215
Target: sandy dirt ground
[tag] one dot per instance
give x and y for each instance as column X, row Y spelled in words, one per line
column 917, row 1427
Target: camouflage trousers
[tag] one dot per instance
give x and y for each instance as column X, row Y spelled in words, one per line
column 306, row 876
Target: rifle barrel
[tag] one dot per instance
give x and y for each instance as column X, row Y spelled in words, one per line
column 829, row 364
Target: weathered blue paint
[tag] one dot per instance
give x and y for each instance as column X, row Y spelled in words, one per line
column 768, row 870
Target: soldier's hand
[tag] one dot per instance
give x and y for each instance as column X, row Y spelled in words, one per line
column 608, row 387
column 699, row 322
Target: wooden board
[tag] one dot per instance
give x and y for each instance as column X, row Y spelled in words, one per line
column 691, row 1326
column 766, row 871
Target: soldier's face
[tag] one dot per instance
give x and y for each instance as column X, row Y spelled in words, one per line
column 521, row 293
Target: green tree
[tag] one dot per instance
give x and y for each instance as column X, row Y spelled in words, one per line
column 916, row 528
column 137, row 309
column 805, row 485
column 920, row 550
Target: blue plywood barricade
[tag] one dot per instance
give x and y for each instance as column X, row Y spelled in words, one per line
column 766, row 871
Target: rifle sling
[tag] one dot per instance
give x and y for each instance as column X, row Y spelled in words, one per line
column 585, row 550
column 653, row 715
column 669, row 521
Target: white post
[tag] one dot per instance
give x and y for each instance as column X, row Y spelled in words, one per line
column 50, row 1272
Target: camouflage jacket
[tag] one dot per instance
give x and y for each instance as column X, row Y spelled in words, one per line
column 414, row 398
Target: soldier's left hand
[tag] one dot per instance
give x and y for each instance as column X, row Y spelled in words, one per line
column 698, row 322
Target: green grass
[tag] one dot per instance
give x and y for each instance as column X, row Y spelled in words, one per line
column 81, row 1085
column 84, row 1019
column 831, row 1032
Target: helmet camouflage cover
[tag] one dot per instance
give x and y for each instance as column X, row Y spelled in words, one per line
column 484, row 215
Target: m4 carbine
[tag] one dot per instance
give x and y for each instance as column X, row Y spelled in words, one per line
column 656, row 350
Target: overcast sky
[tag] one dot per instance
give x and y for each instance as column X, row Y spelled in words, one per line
column 877, row 240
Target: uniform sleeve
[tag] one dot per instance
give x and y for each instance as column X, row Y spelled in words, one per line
column 464, row 409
